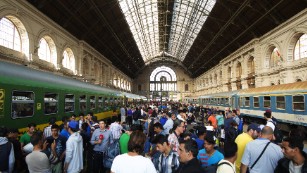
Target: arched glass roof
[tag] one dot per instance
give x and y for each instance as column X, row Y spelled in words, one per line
column 144, row 19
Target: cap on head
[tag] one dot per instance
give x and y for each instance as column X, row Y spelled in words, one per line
column 254, row 126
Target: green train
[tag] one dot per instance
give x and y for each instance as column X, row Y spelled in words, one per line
column 33, row 96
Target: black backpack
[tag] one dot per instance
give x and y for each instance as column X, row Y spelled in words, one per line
column 277, row 133
column 213, row 168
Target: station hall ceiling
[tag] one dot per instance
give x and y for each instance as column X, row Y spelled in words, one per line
column 195, row 34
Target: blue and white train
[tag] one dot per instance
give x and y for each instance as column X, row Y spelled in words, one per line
column 286, row 101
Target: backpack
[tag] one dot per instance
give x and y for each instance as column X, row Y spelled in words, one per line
column 109, row 155
column 277, row 133
column 213, row 168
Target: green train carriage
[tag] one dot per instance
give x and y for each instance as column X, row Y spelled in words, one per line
column 28, row 95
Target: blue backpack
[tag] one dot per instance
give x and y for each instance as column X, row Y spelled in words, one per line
column 112, row 151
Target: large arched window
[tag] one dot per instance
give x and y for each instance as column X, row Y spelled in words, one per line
column 163, row 81
column 69, row 60
column 300, row 50
column 14, row 35
column 9, row 35
column 47, row 50
column 275, row 57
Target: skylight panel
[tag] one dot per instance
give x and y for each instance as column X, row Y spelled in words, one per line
column 188, row 19
column 142, row 18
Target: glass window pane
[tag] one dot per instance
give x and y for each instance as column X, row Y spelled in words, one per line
column 9, row 35
column 22, row 104
column 280, row 102
column 246, row 101
column 256, row 102
column 100, row 103
column 299, row 103
column 51, row 103
column 92, row 103
column 266, row 101
column 82, row 102
column 69, row 103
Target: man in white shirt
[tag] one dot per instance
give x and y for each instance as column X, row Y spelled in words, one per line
column 116, row 129
column 74, row 150
column 268, row 116
column 230, row 154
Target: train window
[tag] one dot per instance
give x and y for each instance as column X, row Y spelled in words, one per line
column 69, row 103
column 51, row 103
column 93, row 102
column 280, row 102
column 226, row 101
column 256, row 102
column 246, row 101
column 266, row 101
column 100, row 103
column 82, row 103
column 22, row 104
column 298, row 103
column 106, row 103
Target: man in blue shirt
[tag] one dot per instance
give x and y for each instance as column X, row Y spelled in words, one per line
column 101, row 139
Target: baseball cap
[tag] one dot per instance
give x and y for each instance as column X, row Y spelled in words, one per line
column 254, row 126
column 73, row 124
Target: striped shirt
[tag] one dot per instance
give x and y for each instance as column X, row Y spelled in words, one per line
column 169, row 163
column 47, row 131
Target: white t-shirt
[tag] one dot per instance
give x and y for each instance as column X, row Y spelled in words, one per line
column 38, row 162
column 295, row 169
column 226, row 168
column 132, row 164
column 270, row 124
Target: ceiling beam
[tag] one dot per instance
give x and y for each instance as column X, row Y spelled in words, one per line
column 229, row 22
column 97, row 10
column 242, row 33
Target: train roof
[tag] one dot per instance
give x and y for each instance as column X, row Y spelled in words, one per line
column 282, row 89
column 222, row 94
column 133, row 96
column 22, row 75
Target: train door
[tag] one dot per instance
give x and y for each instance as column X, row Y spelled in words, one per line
column 233, row 102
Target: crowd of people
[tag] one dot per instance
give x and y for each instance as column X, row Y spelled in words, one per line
column 146, row 138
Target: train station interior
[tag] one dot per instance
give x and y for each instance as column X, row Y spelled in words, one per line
column 160, row 49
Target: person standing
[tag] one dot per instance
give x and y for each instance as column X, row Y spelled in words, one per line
column 227, row 164
column 252, row 133
column 100, row 139
column 25, row 138
column 168, row 161
column 168, row 124
column 122, row 114
column 133, row 161
column 7, row 158
column 60, row 147
column 116, row 129
column 209, row 156
column 295, row 157
column 271, row 153
column 187, row 156
column 74, row 147
column 39, row 159
column 178, row 129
